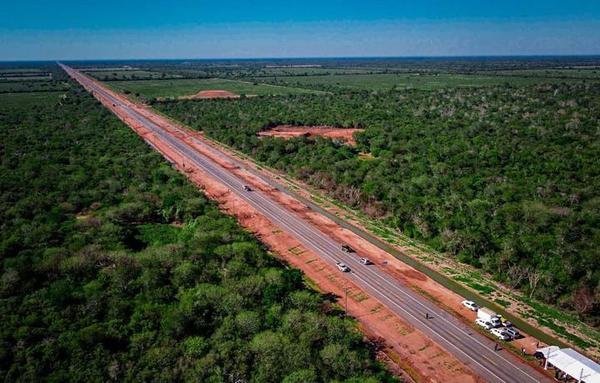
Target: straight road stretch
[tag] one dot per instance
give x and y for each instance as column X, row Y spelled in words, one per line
column 472, row 348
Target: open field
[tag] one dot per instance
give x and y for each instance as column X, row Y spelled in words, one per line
column 32, row 86
column 19, row 70
column 9, row 100
column 188, row 87
column 401, row 81
column 32, row 77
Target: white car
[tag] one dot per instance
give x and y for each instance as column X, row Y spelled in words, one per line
column 365, row 261
column 342, row 267
column 500, row 333
column 470, row 305
column 484, row 324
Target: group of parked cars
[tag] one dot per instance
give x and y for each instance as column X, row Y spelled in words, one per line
column 489, row 320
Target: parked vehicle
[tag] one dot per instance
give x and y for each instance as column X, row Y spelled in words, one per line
column 470, row 305
column 500, row 333
column 513, row 333
column 365, row 261
column 342, row 267
column 486, row 325
column 488, row 315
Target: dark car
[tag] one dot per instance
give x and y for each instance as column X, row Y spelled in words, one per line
column 512, row 332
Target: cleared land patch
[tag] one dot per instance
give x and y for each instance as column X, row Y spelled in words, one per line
column 205, row 94
column 345, row 135
column 187, row 87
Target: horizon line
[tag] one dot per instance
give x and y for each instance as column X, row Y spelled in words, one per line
column 583, row 55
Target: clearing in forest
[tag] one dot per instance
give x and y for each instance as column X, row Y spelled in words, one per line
column 213, row 94
column 345, row 135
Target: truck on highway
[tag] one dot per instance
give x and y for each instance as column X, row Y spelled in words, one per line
column 490, row 316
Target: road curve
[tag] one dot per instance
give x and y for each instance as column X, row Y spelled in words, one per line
column 473, row 349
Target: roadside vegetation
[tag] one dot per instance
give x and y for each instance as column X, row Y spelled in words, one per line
column 503, row 177
column 115, row 268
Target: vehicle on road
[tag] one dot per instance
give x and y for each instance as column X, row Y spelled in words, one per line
column 486, row 325
column 490, row 316
column 342, row 267
column 365, row 261
column 347, row 249
column 470, row 305
column 500, row 333
column 247, row 188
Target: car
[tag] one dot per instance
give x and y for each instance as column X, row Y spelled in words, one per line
column 470, row 305
column 484, row 324
column 347, row 249
column 500, row 333
column 342, row 267
column 247, row 188
column 365, row 261
column 513, row 332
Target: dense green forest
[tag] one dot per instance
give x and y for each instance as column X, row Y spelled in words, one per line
column 505, row 177
column 115, row 268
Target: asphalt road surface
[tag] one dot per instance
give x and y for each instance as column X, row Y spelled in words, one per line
column 473, row 349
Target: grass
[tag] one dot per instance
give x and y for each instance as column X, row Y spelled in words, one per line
column 502, row 302
column 20, row 70
column 10, row 100
column 32, row 86
column 188, row 87
column 155, row 234
column 402, row 81
column 32, row 77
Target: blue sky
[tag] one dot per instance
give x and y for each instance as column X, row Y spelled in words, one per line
column 65, row 30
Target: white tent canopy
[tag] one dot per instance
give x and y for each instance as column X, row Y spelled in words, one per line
column 573, row 363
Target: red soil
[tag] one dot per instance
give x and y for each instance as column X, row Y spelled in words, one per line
column 289, row 131
column 215, row 94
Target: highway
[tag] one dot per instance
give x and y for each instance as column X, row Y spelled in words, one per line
column 473, row 349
